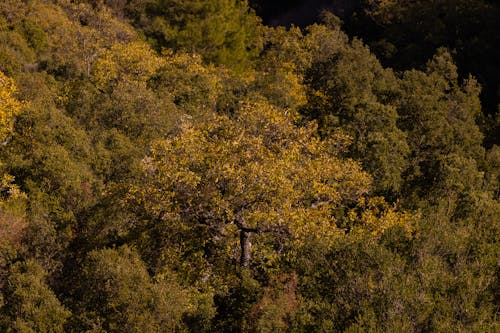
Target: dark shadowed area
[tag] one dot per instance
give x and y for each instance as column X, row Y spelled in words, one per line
column 300, row 12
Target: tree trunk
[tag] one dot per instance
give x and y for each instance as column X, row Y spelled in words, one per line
column 246, row 246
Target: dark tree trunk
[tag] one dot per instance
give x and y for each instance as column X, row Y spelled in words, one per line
column 245, row 245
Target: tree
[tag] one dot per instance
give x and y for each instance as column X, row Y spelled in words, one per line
column 254, row 172
column 439, row 116
column 78, row 34
column 348, row 280
column 12, row 199
column 348, row 90
column 49, row 155
column 132, row 61
column 223, row 31
column 31, row 306
column 116, row 294
column 405, row 34
column 192, row 86
column 9, row 106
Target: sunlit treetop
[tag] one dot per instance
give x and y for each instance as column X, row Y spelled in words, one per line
column 252, row 172
column 9, row 106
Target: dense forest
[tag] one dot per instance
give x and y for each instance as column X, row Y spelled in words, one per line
column 182, row 166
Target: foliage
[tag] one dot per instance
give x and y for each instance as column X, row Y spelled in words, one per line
column 405, row 34
column 134, row 62
column 255, row 170
column 349, row 90
column 120, row 296
column 439, row 116
column 162, row 171
column 193, row 87
column 223, row 31
column 31, row 305
column 9, row 106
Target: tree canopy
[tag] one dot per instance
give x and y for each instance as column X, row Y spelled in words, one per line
column 177, row 166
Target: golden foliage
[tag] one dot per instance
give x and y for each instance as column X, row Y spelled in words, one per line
column 76, row 33
column 375, row 216
column 9, row 106
column 134, row 61
column 255, row 169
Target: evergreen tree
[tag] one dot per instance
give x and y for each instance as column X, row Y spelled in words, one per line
column 439, row 116
column 223, row 31
column 30, row 305
column 350, row 92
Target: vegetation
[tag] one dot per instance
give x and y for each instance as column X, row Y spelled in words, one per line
column 177, row 166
